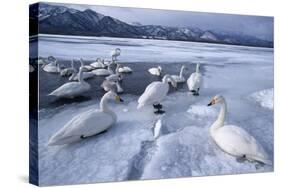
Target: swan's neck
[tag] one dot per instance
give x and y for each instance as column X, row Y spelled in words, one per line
column 109, row 68
column 181, row 72
column 80, row 77
column 166, row 79
column 72, row 64
column 220, row 121
column 117, row 69
column 119, row 88
column 197, row 68
column 104, row 107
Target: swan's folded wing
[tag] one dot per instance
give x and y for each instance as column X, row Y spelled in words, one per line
column 66, row 88
column 155, row 92
column 88, row 123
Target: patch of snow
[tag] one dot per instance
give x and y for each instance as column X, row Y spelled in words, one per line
column 264, row 98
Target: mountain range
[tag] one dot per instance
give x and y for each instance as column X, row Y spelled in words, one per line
column 60, row 20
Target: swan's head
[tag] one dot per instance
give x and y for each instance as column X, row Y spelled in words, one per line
column 118, row 50
column 114, row 96
column 216, row 99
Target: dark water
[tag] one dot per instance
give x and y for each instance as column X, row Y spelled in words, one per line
column 133, row 83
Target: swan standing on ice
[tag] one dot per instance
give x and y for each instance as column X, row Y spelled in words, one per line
column 155, row 93
column 98, row 64
column 179, row 78
column 115, row 53
column 103, row 72
column 235, row 140
column 155, row 71
column 68, row 71
column 195, row 80
column 72, row 89
column 86, row 124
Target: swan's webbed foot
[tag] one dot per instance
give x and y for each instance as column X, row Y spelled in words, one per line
column 159, row 111
column 241, row 159
column 158, row 106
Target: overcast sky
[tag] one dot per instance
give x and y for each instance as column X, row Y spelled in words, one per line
column 258, row 26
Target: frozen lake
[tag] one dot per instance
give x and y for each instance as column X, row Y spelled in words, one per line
column 243, row 75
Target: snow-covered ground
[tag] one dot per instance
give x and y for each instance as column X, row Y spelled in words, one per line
column 243, row 75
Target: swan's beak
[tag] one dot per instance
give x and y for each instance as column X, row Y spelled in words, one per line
column 211, row 103
column 118, row 99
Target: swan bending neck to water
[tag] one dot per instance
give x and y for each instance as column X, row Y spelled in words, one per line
column 88, row 123
column 235, row 140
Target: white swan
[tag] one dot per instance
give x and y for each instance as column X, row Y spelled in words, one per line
column 68, row 71
column 112, row 86
column 179, row 78
column 98, row 64
column 194, row 81
column 52, row 67
column 86, row 75
column 115, row 77
column 155, row 71
column 72, row 89
column 89, row 123
column 115, row 53
column 103, row 72
column 106, row 62
column 125, row 69
column 235, row 140
column 155, row 93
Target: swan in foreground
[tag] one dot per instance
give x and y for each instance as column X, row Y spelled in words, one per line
column 115, row 53
column 155, row 93
column 68, row 71
column 155, row 71
column 103, row 72
column 235, row 140
column 179, row 78
column 194, row 81
column 72, row 89
column 125, row 69
column 98, row 64
column 86, row 124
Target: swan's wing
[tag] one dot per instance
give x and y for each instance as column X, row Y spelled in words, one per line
column 154, row 92
column 88, row 123
column 236, row 140
column 66, row 88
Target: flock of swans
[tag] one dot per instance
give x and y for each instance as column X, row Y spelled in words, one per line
column 231, row 139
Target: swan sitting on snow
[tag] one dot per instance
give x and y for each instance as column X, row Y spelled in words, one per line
column 179, row 78
column 86, row 124
column 235, row 140
column 98, row 64
column 103, row 72
column 155, row 71
column 155, row 93
column 125, row 69
column 72, row 89
column 68, row 71
column 115, row 53
column 195, row 80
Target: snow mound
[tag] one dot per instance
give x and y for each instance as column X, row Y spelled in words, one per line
column 201, row 111
column 264, row 98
